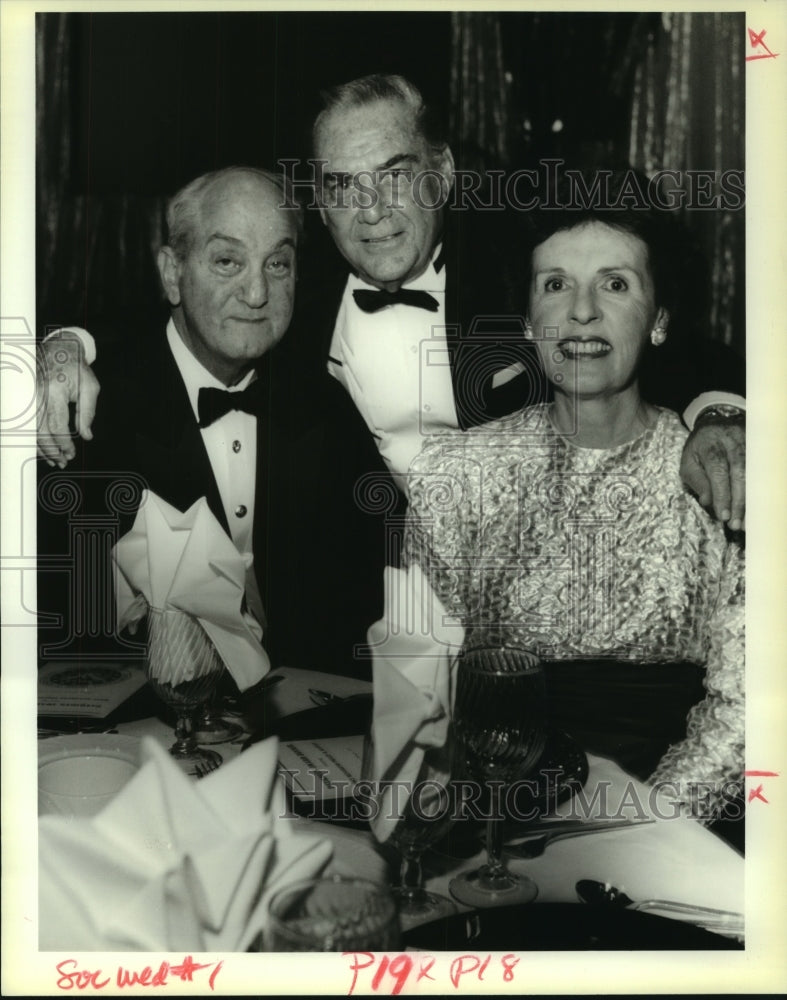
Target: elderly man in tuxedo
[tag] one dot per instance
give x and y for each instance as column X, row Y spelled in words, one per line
column 421, row 321
column 205, row 409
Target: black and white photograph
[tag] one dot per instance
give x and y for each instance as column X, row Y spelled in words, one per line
column 377, row 478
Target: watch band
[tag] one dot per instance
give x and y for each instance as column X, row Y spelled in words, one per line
column 723, row 411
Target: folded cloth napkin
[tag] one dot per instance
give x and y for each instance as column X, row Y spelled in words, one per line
column 414, row 650
column 173, row 864
column 187, row 561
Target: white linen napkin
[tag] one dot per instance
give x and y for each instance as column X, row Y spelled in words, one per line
column 187, row 561
column 414, row 651
column 173, row 864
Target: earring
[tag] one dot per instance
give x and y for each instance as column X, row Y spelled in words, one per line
column 528, row 330
column 658, row 336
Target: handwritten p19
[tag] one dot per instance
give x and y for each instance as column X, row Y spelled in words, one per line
column 389, row 974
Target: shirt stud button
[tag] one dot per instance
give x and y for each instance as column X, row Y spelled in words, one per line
column 240, row 511
column 236, row 446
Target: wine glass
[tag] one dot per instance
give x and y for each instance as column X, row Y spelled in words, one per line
column 421, row 822
column 500, row 726
column 211, row 726
column 183, row 669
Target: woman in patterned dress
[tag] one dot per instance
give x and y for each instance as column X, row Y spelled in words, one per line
column 566, row 525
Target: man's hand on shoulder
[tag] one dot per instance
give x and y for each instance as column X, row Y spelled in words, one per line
column 63, row 376
column 713, row 465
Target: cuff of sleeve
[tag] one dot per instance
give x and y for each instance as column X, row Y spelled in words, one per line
column 706, row 399
column 88, row 343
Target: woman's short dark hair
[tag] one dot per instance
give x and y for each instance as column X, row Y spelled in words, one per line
column 616, row 198
column 679, row 269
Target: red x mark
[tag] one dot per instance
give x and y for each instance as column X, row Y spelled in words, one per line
column 756, row 39
column 756, row 793
column 756, row 42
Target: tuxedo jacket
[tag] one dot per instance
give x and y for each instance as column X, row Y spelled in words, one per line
column 494, row 369
column 317, row 553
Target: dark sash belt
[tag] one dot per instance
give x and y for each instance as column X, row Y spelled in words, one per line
column 625, row 710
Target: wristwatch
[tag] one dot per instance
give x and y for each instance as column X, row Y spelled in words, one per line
column 721, row 411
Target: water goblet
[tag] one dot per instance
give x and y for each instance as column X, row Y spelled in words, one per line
column 500, row 726
column 183, row 669
column 332, row 914
column 419, row 824
column 211, row 726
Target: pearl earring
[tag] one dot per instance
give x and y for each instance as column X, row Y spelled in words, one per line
column 658, row 336
column 528, row 331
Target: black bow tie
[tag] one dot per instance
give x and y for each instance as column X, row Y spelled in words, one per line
column 214, row 403
column 372, row 300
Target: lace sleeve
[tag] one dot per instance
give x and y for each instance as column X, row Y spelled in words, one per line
column 706, row 768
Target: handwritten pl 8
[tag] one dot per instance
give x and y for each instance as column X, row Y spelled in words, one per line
column 389, row 974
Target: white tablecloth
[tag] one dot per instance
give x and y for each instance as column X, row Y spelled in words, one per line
column 674, row 859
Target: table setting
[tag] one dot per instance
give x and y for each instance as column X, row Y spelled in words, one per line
column 181, row 572
column 443, row 811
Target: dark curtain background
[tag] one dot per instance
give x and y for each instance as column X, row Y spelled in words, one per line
column 688, row 111
column 131, row 106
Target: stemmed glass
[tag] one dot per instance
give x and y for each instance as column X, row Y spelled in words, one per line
column 183, row 669
column 211, row 727
column 500, row 726
column 422, row 822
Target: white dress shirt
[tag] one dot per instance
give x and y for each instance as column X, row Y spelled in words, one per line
column 231, row 444
column 395, row 365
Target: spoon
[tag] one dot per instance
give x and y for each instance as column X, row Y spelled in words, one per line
column 537, row 843
column 591, row 891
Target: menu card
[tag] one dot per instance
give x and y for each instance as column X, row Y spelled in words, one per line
column 320, row 770
column 86, row 690
column 298, row 687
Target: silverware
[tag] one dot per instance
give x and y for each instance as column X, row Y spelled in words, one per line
column 592, row 891
column 328, row 697
column 204, row 767
column 321, row 697
column 537, row 842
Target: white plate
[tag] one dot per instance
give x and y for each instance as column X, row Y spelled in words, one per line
column 78, row 775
